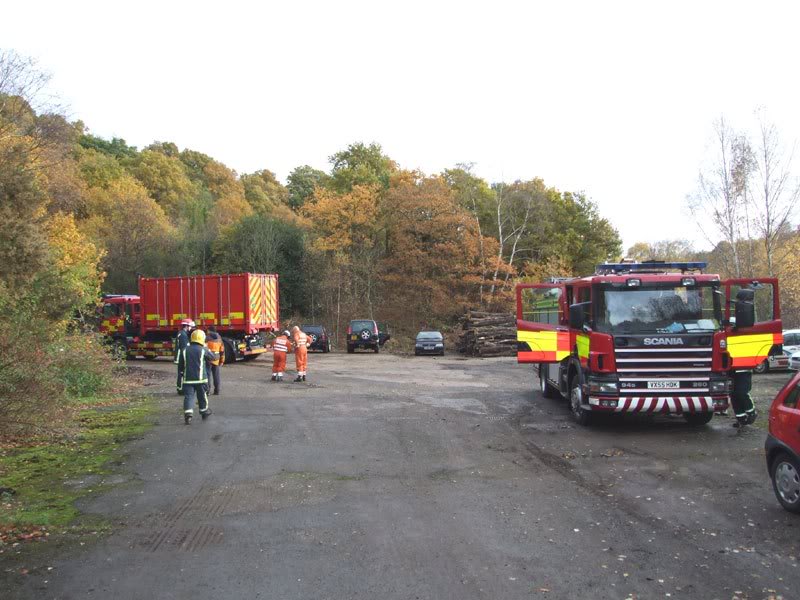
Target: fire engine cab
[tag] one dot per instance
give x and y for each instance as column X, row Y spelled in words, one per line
column 650, row 337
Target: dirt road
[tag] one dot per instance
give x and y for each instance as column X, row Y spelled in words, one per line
column 387, row 477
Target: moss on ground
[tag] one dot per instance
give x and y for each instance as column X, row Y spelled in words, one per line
column 44, row 480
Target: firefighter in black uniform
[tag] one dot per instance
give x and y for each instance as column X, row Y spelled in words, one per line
column 194, row 362
column 740, row 399
column 182, row 342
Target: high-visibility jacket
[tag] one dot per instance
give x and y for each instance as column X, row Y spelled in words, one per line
column 216, row 346
column 181, row 342
column 192, row 361
column 301, row 340
column 282, row 344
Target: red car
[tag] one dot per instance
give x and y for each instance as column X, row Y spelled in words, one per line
column 783, row 445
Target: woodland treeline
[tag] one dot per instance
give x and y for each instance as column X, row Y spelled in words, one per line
column 366, row 238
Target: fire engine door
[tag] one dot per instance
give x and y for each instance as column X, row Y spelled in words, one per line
column 542, row 333
column 750, row 344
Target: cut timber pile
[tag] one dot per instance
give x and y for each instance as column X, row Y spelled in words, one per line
column 488, row 334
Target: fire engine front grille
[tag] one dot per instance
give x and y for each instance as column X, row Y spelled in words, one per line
column 663, row 371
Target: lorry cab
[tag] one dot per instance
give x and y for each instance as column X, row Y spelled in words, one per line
column 646, row 337
column 120, row 315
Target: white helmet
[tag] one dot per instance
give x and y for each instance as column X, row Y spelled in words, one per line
column 286, row 332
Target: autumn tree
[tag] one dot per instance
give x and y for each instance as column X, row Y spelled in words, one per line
column 361, row 165
column 665, row 250
column 264, row 192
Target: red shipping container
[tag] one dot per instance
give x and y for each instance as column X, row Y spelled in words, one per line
column 246, row 302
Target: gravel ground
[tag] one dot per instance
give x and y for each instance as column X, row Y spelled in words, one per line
column 427, row 478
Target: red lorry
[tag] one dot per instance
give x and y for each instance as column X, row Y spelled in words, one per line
column 647, row 337
column 243, row 307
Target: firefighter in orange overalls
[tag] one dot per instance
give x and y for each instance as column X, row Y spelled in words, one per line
column 280, row 347
column 300, row 352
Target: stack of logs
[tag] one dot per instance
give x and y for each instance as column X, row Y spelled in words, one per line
column 488, row 334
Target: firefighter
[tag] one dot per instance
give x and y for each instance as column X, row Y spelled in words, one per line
column 300, row 352
column 194, row 360
column 181, row 342
column 216, row 345
column 280, row 347
column 740, row 399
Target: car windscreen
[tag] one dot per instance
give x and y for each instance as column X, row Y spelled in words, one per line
column 429, row 336
column 658, row 309
column 311, row 328
column 361, row 325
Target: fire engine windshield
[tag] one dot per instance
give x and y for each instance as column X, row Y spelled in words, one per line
column 658, row 309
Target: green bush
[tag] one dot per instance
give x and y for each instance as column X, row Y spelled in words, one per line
column 85, row 363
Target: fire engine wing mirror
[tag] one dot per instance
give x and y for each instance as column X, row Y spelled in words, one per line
column 744, row 308
column 577, row 316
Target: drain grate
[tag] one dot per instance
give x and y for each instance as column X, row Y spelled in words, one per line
column 182, row 539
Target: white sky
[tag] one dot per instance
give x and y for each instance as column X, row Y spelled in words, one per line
column 612, row 98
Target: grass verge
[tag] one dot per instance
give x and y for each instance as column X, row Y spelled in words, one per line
column 41, row 480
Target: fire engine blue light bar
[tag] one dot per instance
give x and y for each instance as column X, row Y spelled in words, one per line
column 650, row 267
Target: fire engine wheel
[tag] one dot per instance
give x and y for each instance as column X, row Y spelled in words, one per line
column 580, row 414
column 785, row 475
column 230, row 353
column 698, row 419
column 548, row 391
column 762, row 368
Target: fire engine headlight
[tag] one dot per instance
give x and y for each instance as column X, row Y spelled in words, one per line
column 718, row 387
column 603, row 387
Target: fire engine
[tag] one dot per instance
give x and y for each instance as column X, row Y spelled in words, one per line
column 243, row 308
column 649, row 337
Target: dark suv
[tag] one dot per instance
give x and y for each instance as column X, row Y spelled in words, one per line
column 363, row 333
column 318, row 335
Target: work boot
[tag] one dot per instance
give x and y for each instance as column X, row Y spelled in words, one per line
column 304, row 378
column 752, row 415
column 280, row 379
column 274, row 378
column 741, row 422
column 187, row 419
column 299, row 378
column 216, row 393
column 206, row 414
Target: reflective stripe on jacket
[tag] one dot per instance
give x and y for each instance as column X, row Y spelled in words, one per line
column 192, row 361
column 181, row 342
column 281, row 344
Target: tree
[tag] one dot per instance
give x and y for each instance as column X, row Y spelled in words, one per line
column 259, row 244
column 361, row 165
column 720, row 203
column 116, row 148
column 263, row 191
column 666, row 250
column 134, row 231
column 775, row 190
column 166, row 180
column 301, row 184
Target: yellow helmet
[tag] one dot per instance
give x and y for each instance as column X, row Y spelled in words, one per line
column 199, row 336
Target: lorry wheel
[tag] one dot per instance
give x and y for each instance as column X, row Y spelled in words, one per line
column 230, row 353
column 580, row 414
column 698, row 419
column 548, row 391
column 762, row 368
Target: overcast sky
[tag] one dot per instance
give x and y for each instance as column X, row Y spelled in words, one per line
column 613, row 98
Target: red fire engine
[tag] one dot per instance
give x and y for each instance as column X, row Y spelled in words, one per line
column 647, row 337
column 242, row 307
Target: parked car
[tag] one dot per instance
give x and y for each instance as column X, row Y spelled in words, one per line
column 320, row 340
column 794, row 361
column 429, row 342
column 783, row 445
column 363, row 333
column 779, row 362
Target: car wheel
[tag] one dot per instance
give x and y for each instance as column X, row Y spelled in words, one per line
column 785, row 474
column 698, row 419
column 548, row 391
column 580, row 414
column 762, row 368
